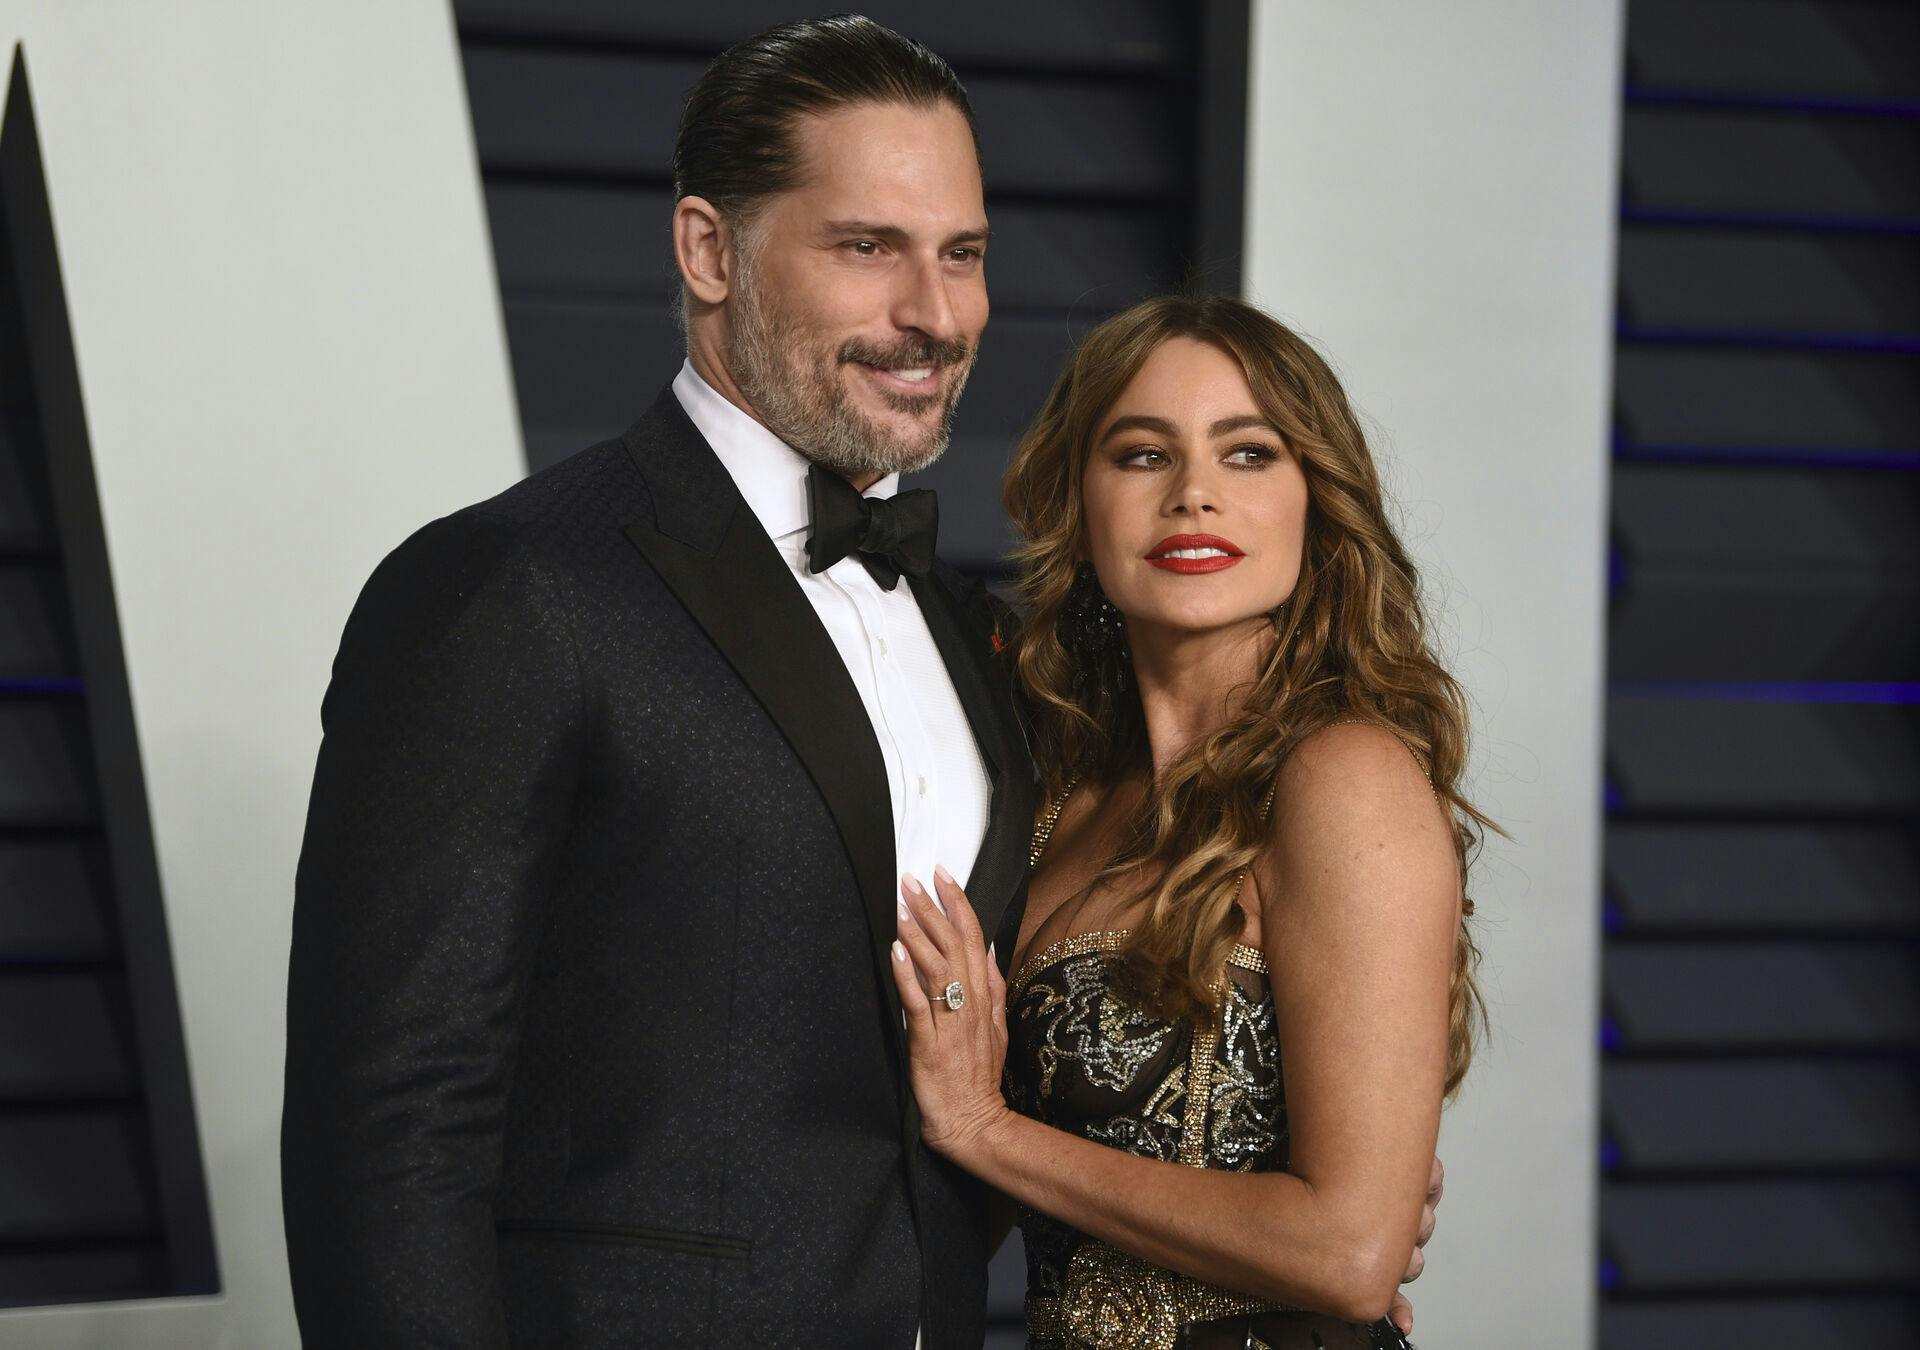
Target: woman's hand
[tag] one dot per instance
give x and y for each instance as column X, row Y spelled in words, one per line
column 956, row 1055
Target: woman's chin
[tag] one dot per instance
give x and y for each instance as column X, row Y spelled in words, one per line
column 1187, row 622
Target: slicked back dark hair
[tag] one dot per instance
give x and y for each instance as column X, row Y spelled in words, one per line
column 736, row 145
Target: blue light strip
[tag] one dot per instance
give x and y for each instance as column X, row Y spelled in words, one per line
column 1896, row 692
column 1882, row 344
column 34, row 688
column 1765, row 456
column 1765, row 220
column 1727, row 100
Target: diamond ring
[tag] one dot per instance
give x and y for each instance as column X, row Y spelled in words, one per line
column 954, row 996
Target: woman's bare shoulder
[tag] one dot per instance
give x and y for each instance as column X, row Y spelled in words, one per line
column 1358, row 757
column 1351, row 799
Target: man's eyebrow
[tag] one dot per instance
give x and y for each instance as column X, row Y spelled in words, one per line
column 1160, row 426
column 1241, row 423
column 870, row 229
column 893, row 234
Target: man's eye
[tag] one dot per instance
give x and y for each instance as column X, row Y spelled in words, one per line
column 865, row 248
column 965, row 255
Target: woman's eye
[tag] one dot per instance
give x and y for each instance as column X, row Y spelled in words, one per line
column 1251, row 456
column 1147, row 457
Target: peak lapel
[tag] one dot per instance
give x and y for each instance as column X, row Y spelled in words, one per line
column 709, row 548
column 964, row 634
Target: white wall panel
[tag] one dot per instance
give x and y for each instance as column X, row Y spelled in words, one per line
column 1431, row 198
column 291, row 355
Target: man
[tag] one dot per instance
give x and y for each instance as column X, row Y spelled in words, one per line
column 592, row 1039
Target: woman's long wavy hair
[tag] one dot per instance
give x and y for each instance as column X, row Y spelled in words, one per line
column 1350, row 644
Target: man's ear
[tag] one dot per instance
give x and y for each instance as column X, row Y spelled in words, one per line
column 700, row 240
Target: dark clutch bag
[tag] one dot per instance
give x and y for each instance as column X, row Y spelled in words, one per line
column 1289, row 1331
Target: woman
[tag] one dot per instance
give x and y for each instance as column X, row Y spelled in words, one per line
column 1253, row 842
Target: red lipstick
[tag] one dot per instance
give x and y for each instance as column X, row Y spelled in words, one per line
column 1216, row 554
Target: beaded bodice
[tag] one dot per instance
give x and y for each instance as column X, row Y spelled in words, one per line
column 1082, row 1058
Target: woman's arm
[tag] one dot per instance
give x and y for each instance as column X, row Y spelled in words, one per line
column 1362, row 897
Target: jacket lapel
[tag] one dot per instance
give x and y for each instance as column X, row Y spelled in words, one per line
column 965, row 636
column 706, row 544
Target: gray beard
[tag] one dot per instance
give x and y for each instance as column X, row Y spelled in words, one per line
column 796, row 390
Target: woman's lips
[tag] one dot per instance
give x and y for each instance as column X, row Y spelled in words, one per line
column 1193, row 554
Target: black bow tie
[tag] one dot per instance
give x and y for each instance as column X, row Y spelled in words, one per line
column 890, row 535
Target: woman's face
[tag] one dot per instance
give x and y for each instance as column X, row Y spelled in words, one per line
column 1195, row 508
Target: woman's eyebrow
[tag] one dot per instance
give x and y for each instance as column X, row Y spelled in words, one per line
column 1242, row 423
column 1159, row 426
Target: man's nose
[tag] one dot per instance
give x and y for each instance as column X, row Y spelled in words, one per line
column 923, row 304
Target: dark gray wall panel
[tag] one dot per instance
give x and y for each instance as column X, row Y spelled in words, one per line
column 613, row 115
column 1765, row 626
column 63, row 1035
column 1845, row 48
column 1762, row 572
column 75, row 1273
column 24, row 525
column 1757, row 1322
column 67, row 1175
column 1718, row 160
column 1761, row 971
column 36, row 638
column 1760, row 1237
column 1786, row 1115
column 1779, row 281
column 1771, row 877
column 558, row 112
column 1733, row 521
column 1719, row 396
column 54, row 897
column 1855, row 996
column 1107, row 35
column 44, row 774
column 1687, row 755
column 107, row 1202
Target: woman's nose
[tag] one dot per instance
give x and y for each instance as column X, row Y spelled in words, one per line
column 1192, row 494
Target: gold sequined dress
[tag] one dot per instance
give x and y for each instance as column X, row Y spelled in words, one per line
column 1081, row 1058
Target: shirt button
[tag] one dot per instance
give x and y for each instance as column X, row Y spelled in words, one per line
column 882, row 643
column 923, row 784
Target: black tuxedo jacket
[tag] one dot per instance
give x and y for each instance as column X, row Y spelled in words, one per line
column 592, row 1038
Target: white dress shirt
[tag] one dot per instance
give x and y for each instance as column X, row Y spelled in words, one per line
column 936, row 781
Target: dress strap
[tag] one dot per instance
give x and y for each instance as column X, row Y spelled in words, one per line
column 1044, row 830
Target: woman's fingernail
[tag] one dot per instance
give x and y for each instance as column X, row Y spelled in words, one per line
column 899, row 952
column 900, row 908
column 989, row 951
column 912, row 883
column 943, row 874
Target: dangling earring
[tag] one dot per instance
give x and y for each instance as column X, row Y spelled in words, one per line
column 1095, row 637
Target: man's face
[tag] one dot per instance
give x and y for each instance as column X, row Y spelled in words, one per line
column 859, row 296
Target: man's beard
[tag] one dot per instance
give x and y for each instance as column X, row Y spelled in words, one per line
column 796, row 388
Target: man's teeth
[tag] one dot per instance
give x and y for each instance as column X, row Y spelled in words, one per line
column 913, row 374
column 1195, row 553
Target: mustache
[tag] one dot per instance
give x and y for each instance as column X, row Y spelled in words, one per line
column 908, row 354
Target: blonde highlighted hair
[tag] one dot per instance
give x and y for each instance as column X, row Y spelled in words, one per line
column 1350, row 645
